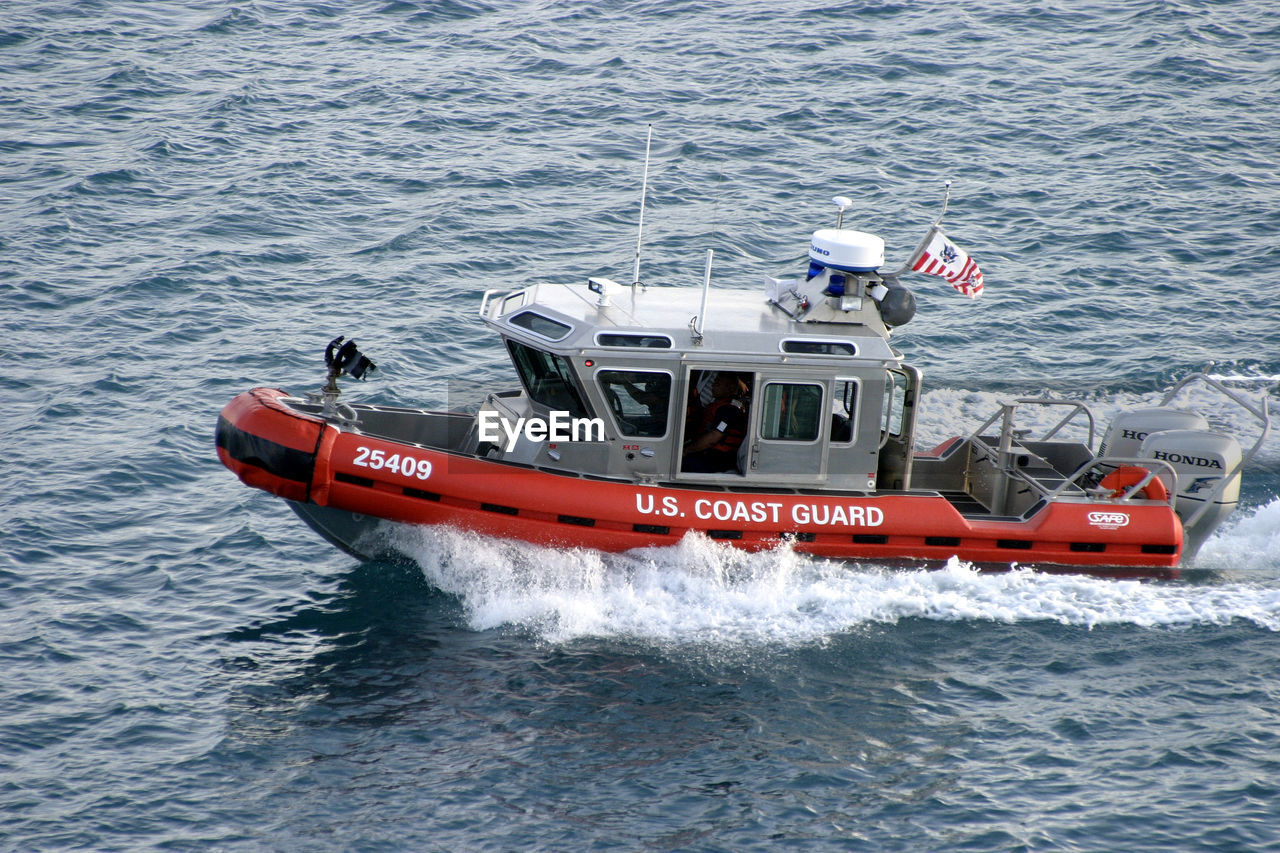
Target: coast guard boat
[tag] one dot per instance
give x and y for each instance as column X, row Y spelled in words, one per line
column 752, row 416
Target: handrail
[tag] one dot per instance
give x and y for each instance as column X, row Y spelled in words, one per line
column 484, row 303
column 1010, row 443
column 498, row 403
column 1219, row 386
column 1261, row 412
column 1114, row 462
column 1000, row 455
column 977, row 433
column 1077, row 406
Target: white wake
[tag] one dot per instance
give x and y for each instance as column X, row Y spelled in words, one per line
column 702, row 591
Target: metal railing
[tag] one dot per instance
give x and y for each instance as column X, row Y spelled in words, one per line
column 1261, row 411
column 1076, row 407
column 484, row 303
column 1007, row 450
column 1003, row 455
column 1103, row 463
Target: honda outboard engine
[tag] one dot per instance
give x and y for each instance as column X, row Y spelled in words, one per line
column 1127, row 432
column 1202, row 459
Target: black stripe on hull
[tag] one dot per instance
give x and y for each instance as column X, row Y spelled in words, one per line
column 284, row 462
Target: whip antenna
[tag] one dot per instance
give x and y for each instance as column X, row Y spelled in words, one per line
column 700, row 321
column 644, row 188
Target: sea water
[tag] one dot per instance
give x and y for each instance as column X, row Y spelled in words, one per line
column 198, row 196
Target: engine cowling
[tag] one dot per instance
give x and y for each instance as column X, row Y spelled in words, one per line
column 1127, row 432
column 1202, row 458
column 1208, row 466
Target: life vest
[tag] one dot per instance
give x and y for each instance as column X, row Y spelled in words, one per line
column 731, row 434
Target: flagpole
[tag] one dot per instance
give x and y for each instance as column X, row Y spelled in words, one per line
column 946, row 199
column 915, row 255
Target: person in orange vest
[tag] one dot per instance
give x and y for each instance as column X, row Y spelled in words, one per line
column 724, row 426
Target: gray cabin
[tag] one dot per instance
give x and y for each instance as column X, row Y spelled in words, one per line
column 827, row 403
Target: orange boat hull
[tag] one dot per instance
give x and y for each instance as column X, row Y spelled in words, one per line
column 306, row 460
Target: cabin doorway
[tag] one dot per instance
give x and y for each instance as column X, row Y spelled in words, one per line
column 718, row 412
column 898, row 428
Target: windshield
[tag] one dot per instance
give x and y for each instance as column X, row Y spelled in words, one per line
column 549, row 379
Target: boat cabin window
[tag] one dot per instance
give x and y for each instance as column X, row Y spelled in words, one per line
column 549, row 379
column 542, row 326
column 810, row 347
column 638, row 399
column 844, row 410
column 617, row 339
column 512, row 302
column 792, row 412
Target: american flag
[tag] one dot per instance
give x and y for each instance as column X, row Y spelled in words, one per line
column 939, row 256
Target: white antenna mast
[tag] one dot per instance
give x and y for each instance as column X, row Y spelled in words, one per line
column 644, row 188
column 700, row 321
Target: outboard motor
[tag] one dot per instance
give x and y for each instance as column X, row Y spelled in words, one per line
column 1200, row 457
column 1130, row 429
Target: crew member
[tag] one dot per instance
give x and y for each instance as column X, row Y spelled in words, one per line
column 724, row 426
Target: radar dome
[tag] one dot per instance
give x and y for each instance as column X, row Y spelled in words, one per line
column 845, row 250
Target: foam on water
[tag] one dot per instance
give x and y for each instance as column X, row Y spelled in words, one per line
column 1248, row 541
column 700, row 591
